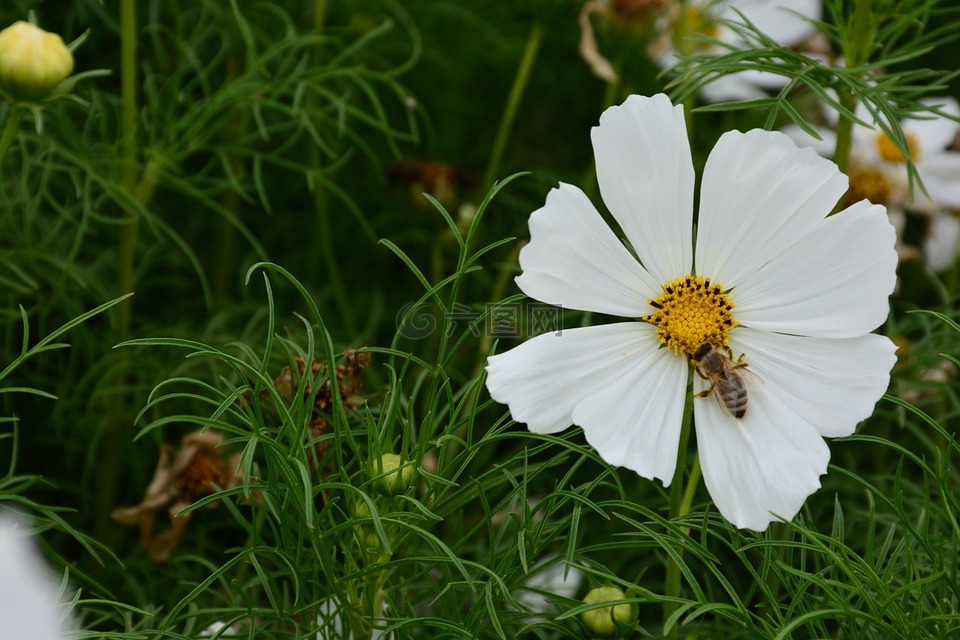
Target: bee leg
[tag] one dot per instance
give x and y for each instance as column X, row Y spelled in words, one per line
column 740, row 363
column 705, row 393
column 695, row 368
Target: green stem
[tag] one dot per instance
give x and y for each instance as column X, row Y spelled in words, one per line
column 116, row 418
column 233, row 133
column 612, row 90
column 513, row 102
column 692, row 483
column 129, row 120
column 331, row 266
column 677, row 502
column 10, row 130
column 841, row 153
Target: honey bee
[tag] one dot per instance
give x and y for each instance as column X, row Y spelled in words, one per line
column 726, row 377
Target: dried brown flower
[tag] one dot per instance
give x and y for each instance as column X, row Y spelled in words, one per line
column 180, row 480
column 436, row 178
column 349, row 381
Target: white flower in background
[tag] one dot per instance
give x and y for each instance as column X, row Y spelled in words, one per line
column 31, row 607
column 770, row 277
column 878, row 172
column 331, row 626
column 941, row 241
column 551, row 577
column 218, row 628
column 787, row 22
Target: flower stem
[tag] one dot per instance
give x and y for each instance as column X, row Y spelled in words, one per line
column 233, row 132
column 10, row 130
column 513, row 102
column 331, row 268
column 692, row 482
column 680, row 501
column 115, row 420
column 841, row 153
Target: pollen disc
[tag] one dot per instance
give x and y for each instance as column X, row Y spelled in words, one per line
column 889, row 151
column 691, row 311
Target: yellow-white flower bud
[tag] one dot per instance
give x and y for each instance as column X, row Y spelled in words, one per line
column 605, row 622
column 32, row 61
column 396, row 476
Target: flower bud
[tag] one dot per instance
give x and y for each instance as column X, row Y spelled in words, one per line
column 606, row 622
column 394, row 475
column 361, row 509
column 375, row 551
column 32, row 61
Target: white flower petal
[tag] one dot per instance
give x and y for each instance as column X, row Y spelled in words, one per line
column 30, row 604
column 783, row 21
column 760, row 193
column 941, row 176
column 544, row 378
column 832, row 384
column 329, row 619
column 760, row 467
column 833, row 282
column 744, row 85
column 634, row 421
column 936, row 133
column 576, row 261
column 613, row 380
column 645, row 173
column 553, row 576
column 216, row 627
column 941, row 241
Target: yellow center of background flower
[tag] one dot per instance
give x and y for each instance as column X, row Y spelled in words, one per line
column 889, row 151
column 691, row 311
column 867, row 184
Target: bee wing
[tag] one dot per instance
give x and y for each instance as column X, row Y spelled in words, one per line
column 750, row 377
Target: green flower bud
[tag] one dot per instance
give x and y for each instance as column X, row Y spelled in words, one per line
column 376, row 554
column 32, row 61
column 394, row 475
column 607, row 622
column 361, row 509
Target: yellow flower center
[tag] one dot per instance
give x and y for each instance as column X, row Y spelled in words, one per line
column 698, row 21
column 888, row 149
column 867, row 184
column 691, row 311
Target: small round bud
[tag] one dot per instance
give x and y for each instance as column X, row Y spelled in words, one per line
column 375, row 551
column 604, row 622
column 373, row 544
column 32, row 61
column 361, row 509
column 394, row 475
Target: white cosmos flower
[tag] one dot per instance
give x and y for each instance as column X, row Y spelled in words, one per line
column 803, row 290
column 878, row 170
column 787, row 22
column 548, row 577
column 218, row 627
column 31, row 607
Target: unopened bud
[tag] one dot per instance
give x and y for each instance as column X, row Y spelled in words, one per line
column 394, row 475
column 607, row 622
column 32, row 61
